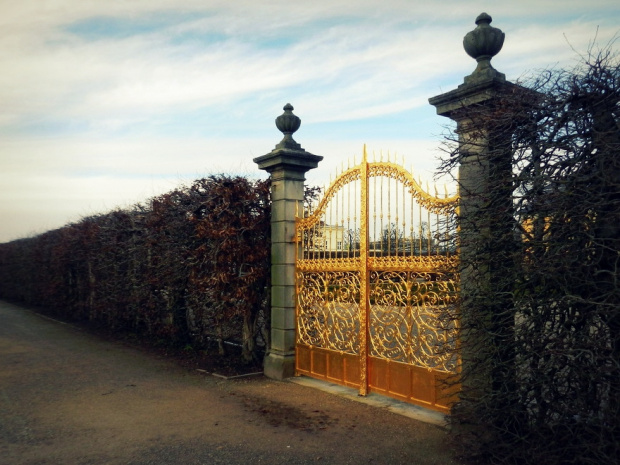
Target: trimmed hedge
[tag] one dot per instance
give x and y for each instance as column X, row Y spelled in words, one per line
column 188, row 266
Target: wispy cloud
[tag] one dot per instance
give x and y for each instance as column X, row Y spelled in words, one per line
column 137, row 95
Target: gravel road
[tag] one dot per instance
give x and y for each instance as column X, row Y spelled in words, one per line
column 70, row 397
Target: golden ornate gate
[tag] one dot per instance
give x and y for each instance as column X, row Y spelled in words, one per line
column 375, row 286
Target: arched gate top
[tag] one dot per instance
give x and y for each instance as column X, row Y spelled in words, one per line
column 433, row 203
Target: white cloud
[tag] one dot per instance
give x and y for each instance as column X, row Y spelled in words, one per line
column 94, row 118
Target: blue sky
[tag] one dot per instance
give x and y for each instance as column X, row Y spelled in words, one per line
column 105, row 104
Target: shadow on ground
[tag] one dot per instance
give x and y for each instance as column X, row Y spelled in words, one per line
column 71, row 397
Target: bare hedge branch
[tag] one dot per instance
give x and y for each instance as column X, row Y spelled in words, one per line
column 551, row 320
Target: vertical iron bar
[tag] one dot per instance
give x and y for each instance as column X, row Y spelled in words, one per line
column 364, row 281
column 396, row 218
column 381, row 214
column 411, row 228
column 428, row 214
column 438, row 234
column 420, row 227
column 404, row 224
column 389, row 215
column 333, row 205
column 374, row 219
column 348, row 232
column 355, row 225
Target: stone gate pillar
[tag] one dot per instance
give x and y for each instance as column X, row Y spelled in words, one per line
column 485, row 213
column 286, row 164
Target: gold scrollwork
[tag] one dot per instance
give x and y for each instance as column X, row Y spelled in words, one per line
column 434, row 263
column 411, row 318
column 428, row 201
column 328, row 304
column 352, row 174
column 377, row 169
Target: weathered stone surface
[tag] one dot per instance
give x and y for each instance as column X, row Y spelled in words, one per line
column 287, row 164
column 482, row 44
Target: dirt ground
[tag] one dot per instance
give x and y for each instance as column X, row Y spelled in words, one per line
column 70, row 397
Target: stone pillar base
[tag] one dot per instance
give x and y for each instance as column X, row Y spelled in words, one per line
column 280, row 366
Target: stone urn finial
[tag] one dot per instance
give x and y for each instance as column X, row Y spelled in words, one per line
column 288, row 155
column 482, row 44
column 288, row 123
